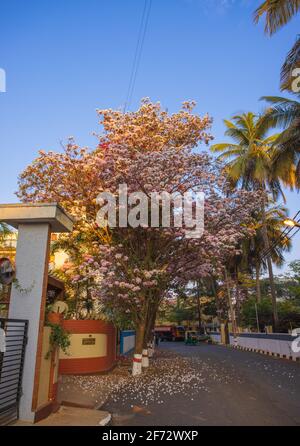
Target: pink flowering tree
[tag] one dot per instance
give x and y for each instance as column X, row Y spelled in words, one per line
column 140, row 265
column 133, row 268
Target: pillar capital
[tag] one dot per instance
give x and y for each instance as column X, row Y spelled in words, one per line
column 30, row 213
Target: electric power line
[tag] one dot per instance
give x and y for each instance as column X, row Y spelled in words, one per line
column 284, row 233
column 138, row 52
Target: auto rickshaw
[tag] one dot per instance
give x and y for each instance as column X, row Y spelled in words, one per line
column 191, row 338
column 194, row 337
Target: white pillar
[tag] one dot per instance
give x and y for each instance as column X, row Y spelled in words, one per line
column 34, row 221
column 151, row 348
column 32, row 274
column 137, row 364
column 145, row 359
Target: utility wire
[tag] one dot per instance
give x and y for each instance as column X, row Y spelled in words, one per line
column 138, row 52
column 284, row 233
column 267, row 252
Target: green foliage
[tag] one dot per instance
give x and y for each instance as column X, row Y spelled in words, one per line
column 121, row 320
column 295, row 269
column 288, row 314
column 4, row 232
column 186, row 308
column 178, row 315
column 59, row 338
column 294, row 281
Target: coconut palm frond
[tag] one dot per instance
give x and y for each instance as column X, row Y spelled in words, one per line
column 249, row 158
column 292, row 61
column 277, row 13
column 282, row 112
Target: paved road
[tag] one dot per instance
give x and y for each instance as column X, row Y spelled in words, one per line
column 250, row 389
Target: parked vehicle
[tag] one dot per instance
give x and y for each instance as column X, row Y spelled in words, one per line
column 194, row 337
column 170, row 332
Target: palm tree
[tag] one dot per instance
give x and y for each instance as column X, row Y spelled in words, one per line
column 285, row 113
column 250, row 166
column 292, row 61
column 279, row 243
column 278, row 13
column 249, row 158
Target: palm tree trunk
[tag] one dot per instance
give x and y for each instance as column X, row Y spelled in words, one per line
column 199, row 308
column 238, row 291
column 270, row 269
column 257, row 279
column 231, row 309
column 215, row 294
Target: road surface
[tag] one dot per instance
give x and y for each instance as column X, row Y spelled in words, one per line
column 239, row 388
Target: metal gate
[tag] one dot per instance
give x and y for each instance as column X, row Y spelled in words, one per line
column 11, row 368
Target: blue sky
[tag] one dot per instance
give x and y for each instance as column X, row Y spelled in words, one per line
column 66, row 58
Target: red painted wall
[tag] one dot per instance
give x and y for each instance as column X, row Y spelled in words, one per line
column 90, row 365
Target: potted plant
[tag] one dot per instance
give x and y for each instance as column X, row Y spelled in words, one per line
column 56, row 312
column 54, row 318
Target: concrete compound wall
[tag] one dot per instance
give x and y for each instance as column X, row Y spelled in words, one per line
column 79, row 350
column 279, row 344
column 127, row 341
column 92, row 349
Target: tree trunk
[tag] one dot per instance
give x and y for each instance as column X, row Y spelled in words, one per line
column 257, row 279
column 238, row 291
column 215, row 294
column 199, row 309
column 231, row 309
column 139, row 341
column 148, row 336
column 149, row 326
column 273, row 293
column 270, row 269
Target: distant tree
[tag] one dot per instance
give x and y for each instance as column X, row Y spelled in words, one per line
column 288, row 314
column 294, row 281
column 295, row 268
